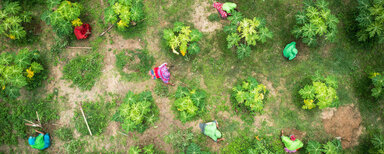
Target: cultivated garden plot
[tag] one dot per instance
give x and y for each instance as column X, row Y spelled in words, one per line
column 183, row 76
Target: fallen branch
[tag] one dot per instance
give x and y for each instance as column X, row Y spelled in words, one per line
column 79, row 47
column 38, row 119
column 109, row 28
column 85, row 119
column 32, row 124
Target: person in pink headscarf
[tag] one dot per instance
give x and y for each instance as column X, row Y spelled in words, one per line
column 162, row 73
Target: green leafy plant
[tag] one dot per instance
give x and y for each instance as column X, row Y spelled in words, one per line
column 64, row 134
column 183, row 38
column 137, row 112
column 378, row 83
column 331, row 147
column 371, row 20
column 322, row 93
column 84, row 70
column 249, row 95
column 189, row 103
column 97, row 114
column 62, row 15
column 19, row 70
column 244, row 32
column 195, row 149
column 124, row 13
column 134, row 65
column 378, row 144
column 12, row 18
column 148, row 149
column 315, row 21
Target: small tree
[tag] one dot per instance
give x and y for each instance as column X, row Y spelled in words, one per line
column 378, row 83
column 322, row 93
column 62, row 16
column 189, row 103
column 12, row 19
column 124, row 13
column 371, row 20
column 315, row 21
column 183, row 38
column 243, row 33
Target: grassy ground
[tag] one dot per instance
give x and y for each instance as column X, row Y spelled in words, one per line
column 216, row 69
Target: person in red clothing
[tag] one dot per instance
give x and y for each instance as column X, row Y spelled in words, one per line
column 162, row 73
column 83, row 31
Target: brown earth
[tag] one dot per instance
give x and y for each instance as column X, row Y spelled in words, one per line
column 345, row 122
column 200, row 17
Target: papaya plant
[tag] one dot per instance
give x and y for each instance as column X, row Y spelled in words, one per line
column 18, row 70
column 330, row 147
column 137, row 112
column 124, row 13
column 12, row 18
column 371, row 20
column 244, row 32
column 62, row 16
column 183, row 38
column 249, row 95
column 378, row 83
column 314, row 22
column 189, row 103
column 322, row 93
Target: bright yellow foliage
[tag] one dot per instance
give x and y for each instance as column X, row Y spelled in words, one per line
column 77, row 22
column 308, row 104
column 183, row 52
column 122, row 24
column 3, row 87
column 374, row 75
column 11, row 36
column 30, row 73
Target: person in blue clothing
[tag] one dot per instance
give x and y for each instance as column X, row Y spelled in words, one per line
column 41, row 142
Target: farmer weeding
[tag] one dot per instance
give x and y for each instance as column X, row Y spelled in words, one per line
column 291, row 143
column 162, row 73
column 225, row 9
column 41, row 142
column 210, row 129
column 83, row 31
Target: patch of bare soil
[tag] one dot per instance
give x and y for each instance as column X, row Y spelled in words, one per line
column 345, row 122
column 200, row 17
column 303, row 51
column 120, row 43
column 268, row 84
column 291, row 131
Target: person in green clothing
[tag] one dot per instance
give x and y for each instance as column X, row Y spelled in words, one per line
column 290, row 51
column 210, row 129
column 41, row 142
column 229, row 7
column 291, row 143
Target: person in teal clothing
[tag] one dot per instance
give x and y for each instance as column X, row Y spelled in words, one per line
column 41, row 142
column 290, row 51
column 291, row 144
column 211, row 129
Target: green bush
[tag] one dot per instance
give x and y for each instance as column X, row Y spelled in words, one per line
column 62, row 16
column 137, row 112
column 244, row 32
column 249, row 95
column 247, row 143
column 124, row 13
column 12, row 18
column 189, row 103
column 84, row 70
column 19, row 70
column 97, row 114
column 64, row 134
column 195, row 149
column 378, row 83
column 183, row 38
column 330, row 147
column 322, row 93
column 371, row 20
column 13, row 113
column 315, row 21
column 137, row 62
column 378, row 144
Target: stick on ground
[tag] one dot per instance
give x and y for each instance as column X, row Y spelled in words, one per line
column 109, row 28
column 85, row 119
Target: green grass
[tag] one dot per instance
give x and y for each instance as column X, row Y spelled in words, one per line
column 134, row 65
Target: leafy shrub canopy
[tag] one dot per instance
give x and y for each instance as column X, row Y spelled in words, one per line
column 378, row 83
column 183, row 38
column 137, row 112
column 371, row 20
column 244, row 33
column 189, row 103
column 11, row 18
column 249, row 95
column 321, row 93
column 84, row 70
column 19, row 70
column 315, row 21
column 122, row 12
column 328, row 148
